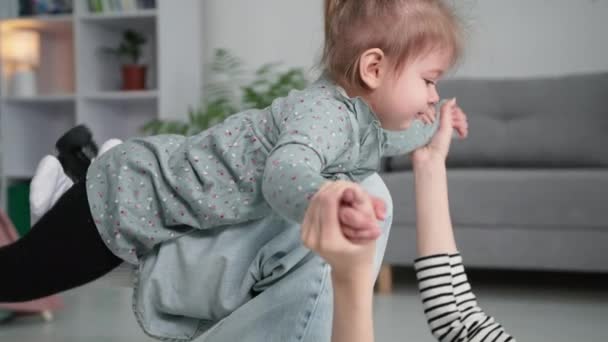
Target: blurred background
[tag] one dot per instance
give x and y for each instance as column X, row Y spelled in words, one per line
column 528, row 188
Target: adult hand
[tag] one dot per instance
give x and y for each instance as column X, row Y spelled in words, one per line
column 322, row 232
column 452, row 118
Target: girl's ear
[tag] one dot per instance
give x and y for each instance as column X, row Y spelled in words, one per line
column 372, row 67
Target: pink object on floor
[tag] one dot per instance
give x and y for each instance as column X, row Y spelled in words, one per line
column 8, row 235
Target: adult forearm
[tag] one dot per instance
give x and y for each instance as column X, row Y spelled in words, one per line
column 352, row 320
column 433, row 224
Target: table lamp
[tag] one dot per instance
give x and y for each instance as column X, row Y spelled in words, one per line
column 21, row 50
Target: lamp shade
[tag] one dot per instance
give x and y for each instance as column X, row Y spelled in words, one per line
column 21, row 47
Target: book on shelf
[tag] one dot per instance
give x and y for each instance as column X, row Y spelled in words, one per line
column 117, row 6
column 19, row 206
column 28, row 8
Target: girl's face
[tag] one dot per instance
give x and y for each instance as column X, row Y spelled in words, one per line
column 404, row 96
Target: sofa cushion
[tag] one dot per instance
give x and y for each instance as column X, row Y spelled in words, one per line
column 533, row 199
column 545, row 122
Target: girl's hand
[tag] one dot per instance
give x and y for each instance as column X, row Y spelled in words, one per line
column 428, row 117
column 359, row 221
column 322, row 233
column 452, row 118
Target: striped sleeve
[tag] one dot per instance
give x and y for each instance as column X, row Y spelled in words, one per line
column 449, row 304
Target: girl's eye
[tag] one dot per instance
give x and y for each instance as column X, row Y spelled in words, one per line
column 429, row 82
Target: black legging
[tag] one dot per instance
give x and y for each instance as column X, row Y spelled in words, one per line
column 63, row 250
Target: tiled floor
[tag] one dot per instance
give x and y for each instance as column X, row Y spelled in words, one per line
column 533, row 307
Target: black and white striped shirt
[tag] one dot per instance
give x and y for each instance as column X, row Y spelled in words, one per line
column 449, row 304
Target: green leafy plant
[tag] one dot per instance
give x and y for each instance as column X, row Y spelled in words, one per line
column 269, row 85
column 231, row 91
column 130, row 46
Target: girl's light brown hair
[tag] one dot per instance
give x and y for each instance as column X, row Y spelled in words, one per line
column 403, row 29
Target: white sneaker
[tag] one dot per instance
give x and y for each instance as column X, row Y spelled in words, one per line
column 48, row 184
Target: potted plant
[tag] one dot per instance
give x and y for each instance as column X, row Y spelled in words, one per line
column 130, row 48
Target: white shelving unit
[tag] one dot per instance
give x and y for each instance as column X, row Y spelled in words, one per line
column 78, row 83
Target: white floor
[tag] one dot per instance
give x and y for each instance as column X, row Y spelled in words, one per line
column 533, row 307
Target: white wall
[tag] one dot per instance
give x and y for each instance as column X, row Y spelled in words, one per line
column 181, row 72
column 262, row 31
column 515, row 38
column 519, row 38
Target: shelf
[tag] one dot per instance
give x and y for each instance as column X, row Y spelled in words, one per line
column 44, row 18
column 43, row 99
column 19, row 175
column 122, row 95
column 44, row 23
column 100, row 71
column 55, row 72
column 147, row 13
column 140, row 21
column 77, row 82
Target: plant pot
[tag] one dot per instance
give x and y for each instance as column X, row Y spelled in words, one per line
column 133, row 77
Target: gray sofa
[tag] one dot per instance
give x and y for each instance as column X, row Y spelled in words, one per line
column 529, row 187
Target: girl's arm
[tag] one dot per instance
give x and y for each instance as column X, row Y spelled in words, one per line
column 307, row 144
